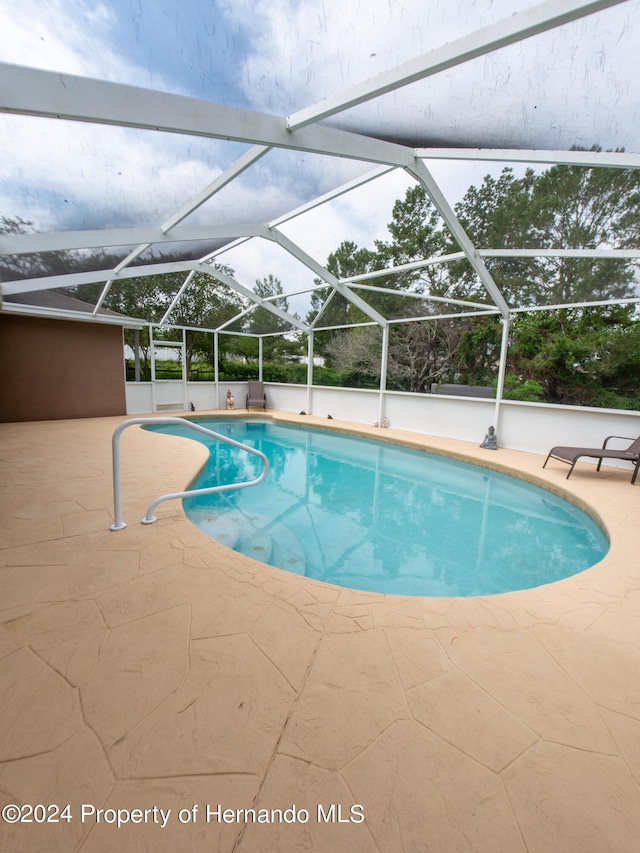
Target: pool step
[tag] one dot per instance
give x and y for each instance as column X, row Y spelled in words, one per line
column 254, row 541
column 256, row 536
column 224, row 526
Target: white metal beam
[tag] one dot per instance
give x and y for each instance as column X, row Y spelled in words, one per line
column 102, row 297
column 252, row 296
column 175, row 299
column 237, row 168
column 620, row 254
column 412, row 265
column 426, row 297
column 324, row 274
column 30, row 91
column 422, row 174
column 131, row 257
column 240, row 165
column 591, row 159
column 316, row 202
column 227, row 247
column 369, row 324
column 73, row 279
column 55, row 241
column 324, row 306
column 598, row 303
column 63, row 314
column 235, row 319
column 426, row 318
column 513, row 29
column 332, row 195
column 502, row 369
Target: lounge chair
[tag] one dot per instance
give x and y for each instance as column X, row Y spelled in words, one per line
column 256, row 395
column 572, row 454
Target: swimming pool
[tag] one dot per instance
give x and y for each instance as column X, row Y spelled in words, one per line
column 383, row 518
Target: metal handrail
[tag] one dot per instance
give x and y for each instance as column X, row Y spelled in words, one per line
column 118, row 523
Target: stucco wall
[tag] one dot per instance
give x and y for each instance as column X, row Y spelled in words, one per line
column 55, row 369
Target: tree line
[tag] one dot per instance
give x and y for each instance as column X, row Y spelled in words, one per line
column 579, row 355
column 587, row 355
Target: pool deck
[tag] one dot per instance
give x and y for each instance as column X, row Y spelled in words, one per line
column 153, row 668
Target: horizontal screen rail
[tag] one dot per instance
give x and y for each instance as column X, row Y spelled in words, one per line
column 118, row 523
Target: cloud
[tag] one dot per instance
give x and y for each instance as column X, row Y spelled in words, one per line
column 304, row 52
column 65, row 175
column 279, row 57
column 71, row 36
column 571, row 86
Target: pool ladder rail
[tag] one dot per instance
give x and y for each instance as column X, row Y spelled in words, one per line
column 119, row 524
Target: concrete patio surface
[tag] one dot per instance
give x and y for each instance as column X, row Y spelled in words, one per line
column 153, row 677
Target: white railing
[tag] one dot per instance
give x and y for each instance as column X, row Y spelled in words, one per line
column 118, row 523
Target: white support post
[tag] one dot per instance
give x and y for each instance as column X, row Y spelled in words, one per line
column 309, row 370
column 183, row 358
column 216, row 372
column 260, row 340
column 501, row 370
column 136, row 353
column 152, row 354
column 383, row 372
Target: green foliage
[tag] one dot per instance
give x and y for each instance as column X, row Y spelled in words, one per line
column 292, row 374
column 528, row 390
column 583, row 356
column 478, row 351
column 329, row 305
column 238, row 372
column 261, row 319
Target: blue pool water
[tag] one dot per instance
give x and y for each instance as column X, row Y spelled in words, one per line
column 378, row 517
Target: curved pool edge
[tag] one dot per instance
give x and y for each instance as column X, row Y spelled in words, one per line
column 468, row 453
column 522, row 465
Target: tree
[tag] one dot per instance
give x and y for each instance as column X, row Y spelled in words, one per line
column 500, row 214
column 334, row 308
column 582, row 356
column 587, row 208
column 278, row 348
column 478, row 351
column 417, row 234
column 261, row 320
column 420, row 354
column 565, row 206
column 357, row 352
column 207, row 303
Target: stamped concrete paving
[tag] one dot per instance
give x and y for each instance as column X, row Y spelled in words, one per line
column 153, row 671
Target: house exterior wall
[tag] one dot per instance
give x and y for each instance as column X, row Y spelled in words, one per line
column 58, row 369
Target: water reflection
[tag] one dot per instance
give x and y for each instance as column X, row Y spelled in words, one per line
column 378, row 517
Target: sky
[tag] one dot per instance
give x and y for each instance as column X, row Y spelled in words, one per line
column 277, row 56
